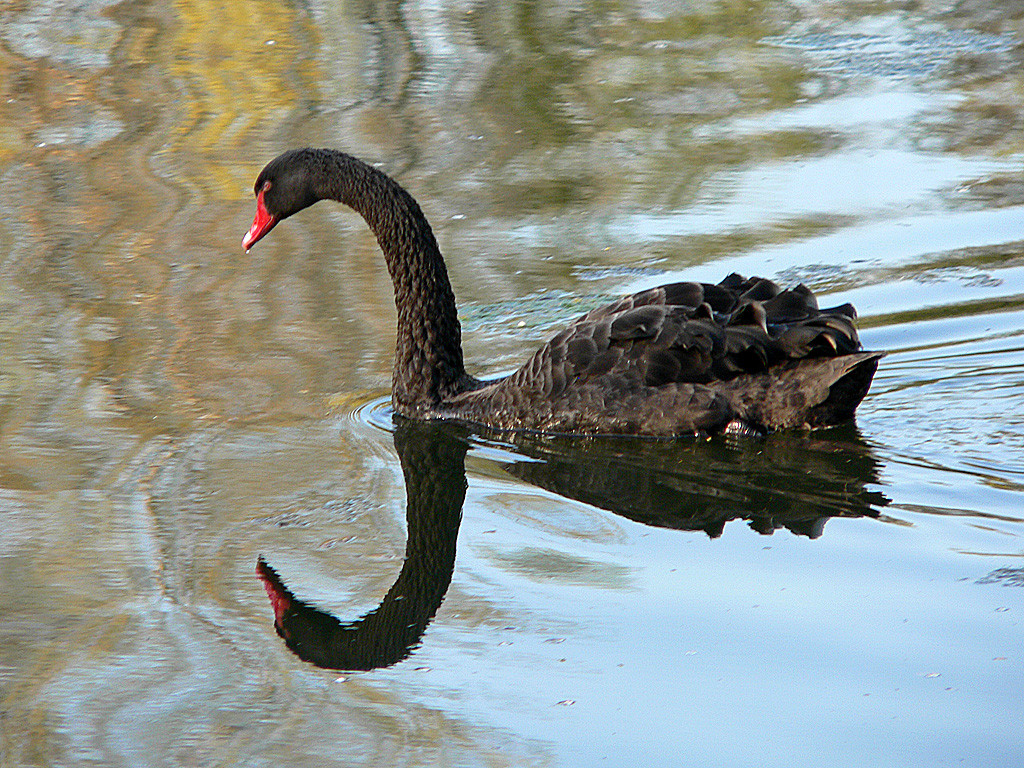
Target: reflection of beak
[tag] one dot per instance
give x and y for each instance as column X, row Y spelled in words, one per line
column 280, row 597
column 262, row 224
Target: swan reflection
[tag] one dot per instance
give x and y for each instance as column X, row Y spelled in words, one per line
column 788, row 480
column 433, row 458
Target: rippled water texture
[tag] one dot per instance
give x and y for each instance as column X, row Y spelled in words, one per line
column 173, row 411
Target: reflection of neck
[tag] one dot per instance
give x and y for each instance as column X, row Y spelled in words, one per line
column 435, row 479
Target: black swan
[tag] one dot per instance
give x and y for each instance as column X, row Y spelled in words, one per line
column 686, row 358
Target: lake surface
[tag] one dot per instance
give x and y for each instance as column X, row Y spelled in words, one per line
column 174, row 412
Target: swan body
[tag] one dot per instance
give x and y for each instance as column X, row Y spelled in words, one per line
column 686, row 358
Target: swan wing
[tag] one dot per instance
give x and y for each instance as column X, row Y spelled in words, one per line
column 689, row 333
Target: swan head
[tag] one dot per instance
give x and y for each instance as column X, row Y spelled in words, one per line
column 284, row 187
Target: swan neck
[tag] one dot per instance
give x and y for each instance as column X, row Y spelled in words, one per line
column 428, row 346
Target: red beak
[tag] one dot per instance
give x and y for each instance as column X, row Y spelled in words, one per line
column 280, row 597
column 262, row 224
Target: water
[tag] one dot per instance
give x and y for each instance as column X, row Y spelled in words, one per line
column 172, row 410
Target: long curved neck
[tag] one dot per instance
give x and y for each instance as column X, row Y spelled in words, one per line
column 428, row 348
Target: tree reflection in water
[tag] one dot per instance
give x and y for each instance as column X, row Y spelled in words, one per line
column 789, row 480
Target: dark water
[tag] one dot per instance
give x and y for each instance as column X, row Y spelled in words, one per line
column 171, row 410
